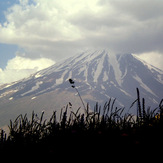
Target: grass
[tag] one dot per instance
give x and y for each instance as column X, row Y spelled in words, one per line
column 104, row 126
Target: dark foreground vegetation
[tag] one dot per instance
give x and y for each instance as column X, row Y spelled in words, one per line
column 104, row 128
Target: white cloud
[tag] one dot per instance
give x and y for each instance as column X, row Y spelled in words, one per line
column 20, row 67
column 20, row 63
column 56, row 28
column 154, row 58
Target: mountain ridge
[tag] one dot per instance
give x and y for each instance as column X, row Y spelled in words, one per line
column 99, row 75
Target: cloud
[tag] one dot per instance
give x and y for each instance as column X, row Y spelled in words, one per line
column 154, row 58
column 59, row 28
column 20, row 67
column 141, row 9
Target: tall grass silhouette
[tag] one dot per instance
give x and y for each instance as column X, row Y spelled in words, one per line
column 106, row 123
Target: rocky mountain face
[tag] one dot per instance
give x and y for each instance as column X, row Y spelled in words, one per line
column 98, row 76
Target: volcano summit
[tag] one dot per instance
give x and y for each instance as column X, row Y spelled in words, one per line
column 98, row 76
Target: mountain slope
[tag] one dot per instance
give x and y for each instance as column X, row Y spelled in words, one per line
column 98, row 75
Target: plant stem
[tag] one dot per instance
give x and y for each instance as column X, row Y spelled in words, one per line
column 81, row 99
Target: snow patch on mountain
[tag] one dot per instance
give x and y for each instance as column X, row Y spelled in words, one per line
column 38, row 75
column 114, row 63
column 61, row 79
column 136, row 77
column 100, row 64
column 8, row 92
column 105, row 76
column 33, row 88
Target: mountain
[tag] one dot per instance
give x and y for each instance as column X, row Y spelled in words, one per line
column 98, row 76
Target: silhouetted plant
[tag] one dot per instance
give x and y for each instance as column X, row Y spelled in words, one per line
column 109, row 121
column 73, row 86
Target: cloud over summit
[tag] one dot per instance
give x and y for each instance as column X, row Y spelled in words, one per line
column 58, row 28
column 125, row 26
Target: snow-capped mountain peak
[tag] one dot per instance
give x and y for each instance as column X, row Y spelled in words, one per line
column 98, row 76
column 93, row 67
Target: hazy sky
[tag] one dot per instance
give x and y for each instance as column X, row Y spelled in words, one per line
column 35, row 34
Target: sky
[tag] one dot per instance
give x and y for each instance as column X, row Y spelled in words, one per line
column 35, row 34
